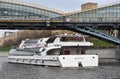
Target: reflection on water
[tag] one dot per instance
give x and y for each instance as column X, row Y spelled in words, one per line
column 21, row 71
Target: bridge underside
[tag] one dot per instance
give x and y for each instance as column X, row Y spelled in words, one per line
column 86, row 27
column 42, row 25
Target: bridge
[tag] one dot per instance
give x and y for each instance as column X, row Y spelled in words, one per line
column 55, row 25
column 89, row 28
column 15, row 14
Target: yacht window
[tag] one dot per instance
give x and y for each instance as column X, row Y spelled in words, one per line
column 54, row 52
column 43, row 50
column 31, row 41
column 41, row 40
column 72, row 39
column 51, row 40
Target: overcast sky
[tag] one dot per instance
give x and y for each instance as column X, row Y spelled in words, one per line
column 65, row 5
column 69, row 5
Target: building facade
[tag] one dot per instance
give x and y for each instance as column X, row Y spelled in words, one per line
column 17, row 10
column 108, row 13
column 88, row 6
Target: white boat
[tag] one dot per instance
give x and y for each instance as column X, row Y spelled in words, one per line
column 59, row 50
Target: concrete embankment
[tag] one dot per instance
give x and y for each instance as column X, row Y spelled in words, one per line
column 106, row 56
column 103, row 53
column 3, row 53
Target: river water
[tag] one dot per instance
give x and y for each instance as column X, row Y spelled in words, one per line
column 22, row 71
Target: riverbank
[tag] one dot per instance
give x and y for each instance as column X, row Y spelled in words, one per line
column 3, row 53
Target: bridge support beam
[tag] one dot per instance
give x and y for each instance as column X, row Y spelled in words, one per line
column 115, row 32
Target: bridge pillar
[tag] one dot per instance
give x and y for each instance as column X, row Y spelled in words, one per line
column 115, row 32
column 112, row 32
column 118, row 33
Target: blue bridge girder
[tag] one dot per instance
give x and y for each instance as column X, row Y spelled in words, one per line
column 89, row 28
column 97, row 33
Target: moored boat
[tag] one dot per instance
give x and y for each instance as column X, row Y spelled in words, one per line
column 60, row 50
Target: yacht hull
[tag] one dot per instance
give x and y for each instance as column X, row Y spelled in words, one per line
column 62, row 60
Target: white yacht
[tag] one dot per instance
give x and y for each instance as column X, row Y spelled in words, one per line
column 60, row 50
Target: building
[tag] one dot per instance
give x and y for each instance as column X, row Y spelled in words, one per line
column 7, row 33
column 107, row 13
column 18, row 10
column 88, row 6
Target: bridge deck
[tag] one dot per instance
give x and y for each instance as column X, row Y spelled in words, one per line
column 90, row 28
column 54, row 25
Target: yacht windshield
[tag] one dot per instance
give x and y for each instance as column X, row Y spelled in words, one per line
column 72, row 39
column 51, row 39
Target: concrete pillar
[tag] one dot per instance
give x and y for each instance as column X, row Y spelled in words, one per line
column 119, row 33
column 115, row 32
column 112, row 32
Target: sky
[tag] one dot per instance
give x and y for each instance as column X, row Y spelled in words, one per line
column 64, row 5
column 69, row 5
